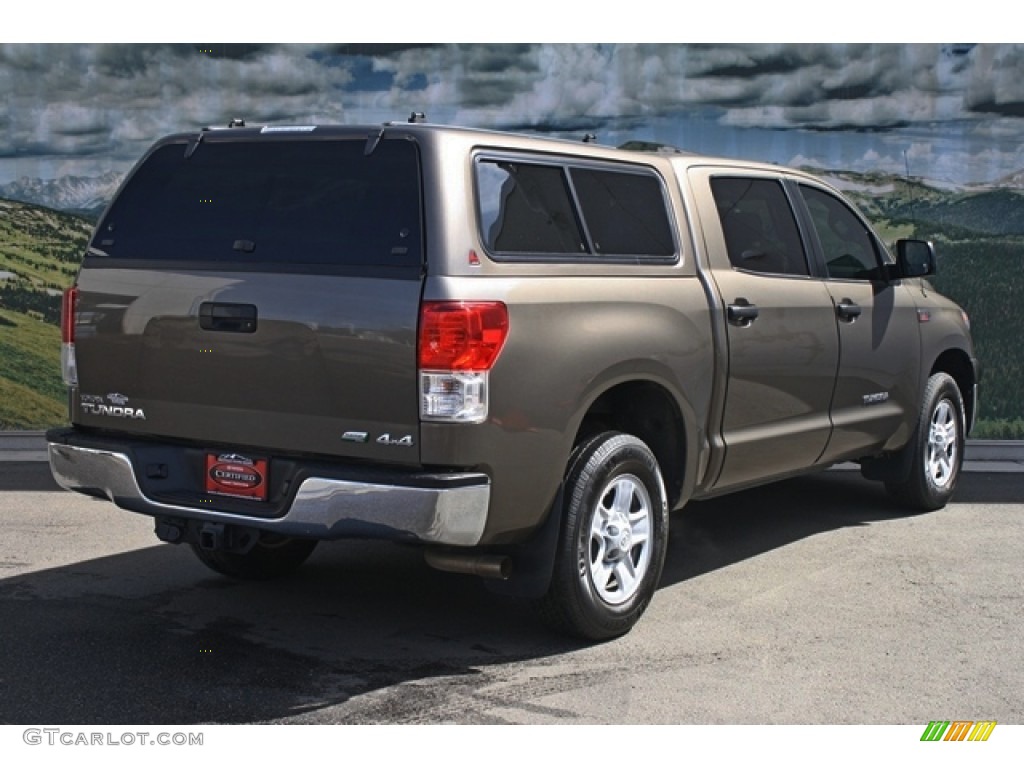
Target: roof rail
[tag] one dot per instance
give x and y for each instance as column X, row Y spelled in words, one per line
column 651, row 146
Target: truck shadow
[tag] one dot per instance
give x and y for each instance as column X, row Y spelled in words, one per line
column 150, row 636
column 364, row 633
column 713, row 534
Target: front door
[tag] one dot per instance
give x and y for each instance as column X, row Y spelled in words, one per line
column 879, row 370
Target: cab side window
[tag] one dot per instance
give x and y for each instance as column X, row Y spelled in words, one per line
column 848, row 246
column 760, row 230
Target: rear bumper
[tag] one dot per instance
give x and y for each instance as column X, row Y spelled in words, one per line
column 446, row 509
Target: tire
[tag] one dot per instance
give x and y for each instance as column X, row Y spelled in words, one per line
column 271, row 557
column 613, row 540
column 936, row 452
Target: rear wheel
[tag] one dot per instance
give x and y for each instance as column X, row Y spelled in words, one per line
column 936, row 452
column 271, row 556
column 613, row 541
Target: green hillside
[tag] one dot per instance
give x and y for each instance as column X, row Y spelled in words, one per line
column 39, row 254
column 994, row 213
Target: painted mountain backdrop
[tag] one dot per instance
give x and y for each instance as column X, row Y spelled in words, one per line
column 86, row 195
column 979, row 235
column 929, row 137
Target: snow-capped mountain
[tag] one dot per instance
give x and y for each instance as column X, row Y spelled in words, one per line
column 1014, row 180
column 87, row 194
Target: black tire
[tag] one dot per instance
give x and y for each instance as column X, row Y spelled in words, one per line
column 613, row 540
column 271, row 557
column 936, row 452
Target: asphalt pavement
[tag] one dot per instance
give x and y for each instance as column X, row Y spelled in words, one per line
column 815, row 600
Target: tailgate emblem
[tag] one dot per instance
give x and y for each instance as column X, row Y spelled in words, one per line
column 118, row 408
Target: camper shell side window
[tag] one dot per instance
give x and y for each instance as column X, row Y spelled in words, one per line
column 534, row 209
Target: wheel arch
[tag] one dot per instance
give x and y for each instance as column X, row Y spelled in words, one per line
column 957, row 364
column 648, row 410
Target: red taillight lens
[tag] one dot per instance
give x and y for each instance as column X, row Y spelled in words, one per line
column 68, row 307
column 67, row 315
column 461, row 335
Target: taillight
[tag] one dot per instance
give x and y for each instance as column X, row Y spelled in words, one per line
column 461, row 336
column 67, row 315
column 458, row 344
column 68, row 308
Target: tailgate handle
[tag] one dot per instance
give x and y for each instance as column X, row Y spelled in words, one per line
column 230, row 318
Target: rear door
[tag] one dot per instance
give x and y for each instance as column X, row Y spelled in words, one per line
column 259, row 290
column 783, row 347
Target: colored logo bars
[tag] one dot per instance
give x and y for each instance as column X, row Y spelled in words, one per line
column 958, row 730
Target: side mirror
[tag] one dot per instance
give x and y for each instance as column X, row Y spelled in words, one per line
column 914, row 258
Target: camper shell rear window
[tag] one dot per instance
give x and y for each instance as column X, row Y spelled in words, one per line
column 318, row 202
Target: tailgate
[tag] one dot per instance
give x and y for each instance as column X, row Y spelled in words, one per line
column 258, row 294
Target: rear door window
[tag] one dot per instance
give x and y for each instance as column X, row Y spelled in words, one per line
column 297, row 202
column 761, row 233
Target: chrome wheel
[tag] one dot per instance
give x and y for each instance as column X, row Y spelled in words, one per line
column 924, row 473
column 620, row 531
column 614, row 538
column 943, row 441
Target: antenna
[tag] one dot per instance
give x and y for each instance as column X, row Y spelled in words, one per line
column 910, row 191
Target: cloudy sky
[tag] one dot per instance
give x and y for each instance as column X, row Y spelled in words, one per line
column 949, row 111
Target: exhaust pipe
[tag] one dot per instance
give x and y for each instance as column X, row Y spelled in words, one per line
column 487, row 566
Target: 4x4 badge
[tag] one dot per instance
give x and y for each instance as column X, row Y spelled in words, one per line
column 386, row 439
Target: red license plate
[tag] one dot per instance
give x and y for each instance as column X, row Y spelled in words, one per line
column 232, row 474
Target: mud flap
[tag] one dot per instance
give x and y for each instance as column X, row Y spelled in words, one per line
column 892, row 468
column 533, row 561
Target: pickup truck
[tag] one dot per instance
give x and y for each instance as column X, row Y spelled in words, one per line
column 520, row 354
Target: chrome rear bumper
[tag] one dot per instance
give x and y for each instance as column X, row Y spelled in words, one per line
column 323, row 508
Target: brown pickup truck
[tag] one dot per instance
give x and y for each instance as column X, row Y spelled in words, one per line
column 517, row 353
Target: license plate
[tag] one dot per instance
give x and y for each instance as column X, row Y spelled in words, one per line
column 232, row 474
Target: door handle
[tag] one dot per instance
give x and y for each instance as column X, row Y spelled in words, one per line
column 848, row 310
column 742, row 313
column 228, row 318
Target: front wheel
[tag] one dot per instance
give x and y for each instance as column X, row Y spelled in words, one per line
column 613, row 542
column 936, row 451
